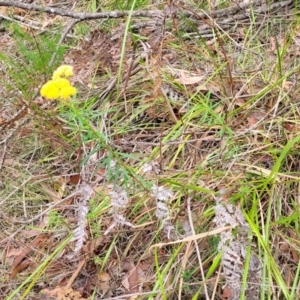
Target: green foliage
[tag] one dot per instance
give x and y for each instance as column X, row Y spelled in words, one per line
column 29, row 64
column 55, row 220
column 126, row 5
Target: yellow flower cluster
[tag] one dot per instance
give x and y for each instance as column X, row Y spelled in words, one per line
column 59, row 87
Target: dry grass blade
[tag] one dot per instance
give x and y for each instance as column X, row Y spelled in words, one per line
column 195, row 237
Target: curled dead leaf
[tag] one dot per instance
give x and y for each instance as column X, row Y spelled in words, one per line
column 62, row 293
column 133, row 281
column 189, row 80
column 227, row 293
column 254, row 118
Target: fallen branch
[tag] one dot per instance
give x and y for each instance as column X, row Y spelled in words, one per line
column 144, row 13
column 80, row 15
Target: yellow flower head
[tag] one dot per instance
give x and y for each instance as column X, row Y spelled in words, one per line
column 49, row 90
column 59, row 87
column 65, row 71
column 67, row 92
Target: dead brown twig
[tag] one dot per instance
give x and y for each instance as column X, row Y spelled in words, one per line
column 140, row 13
column 79, row 15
